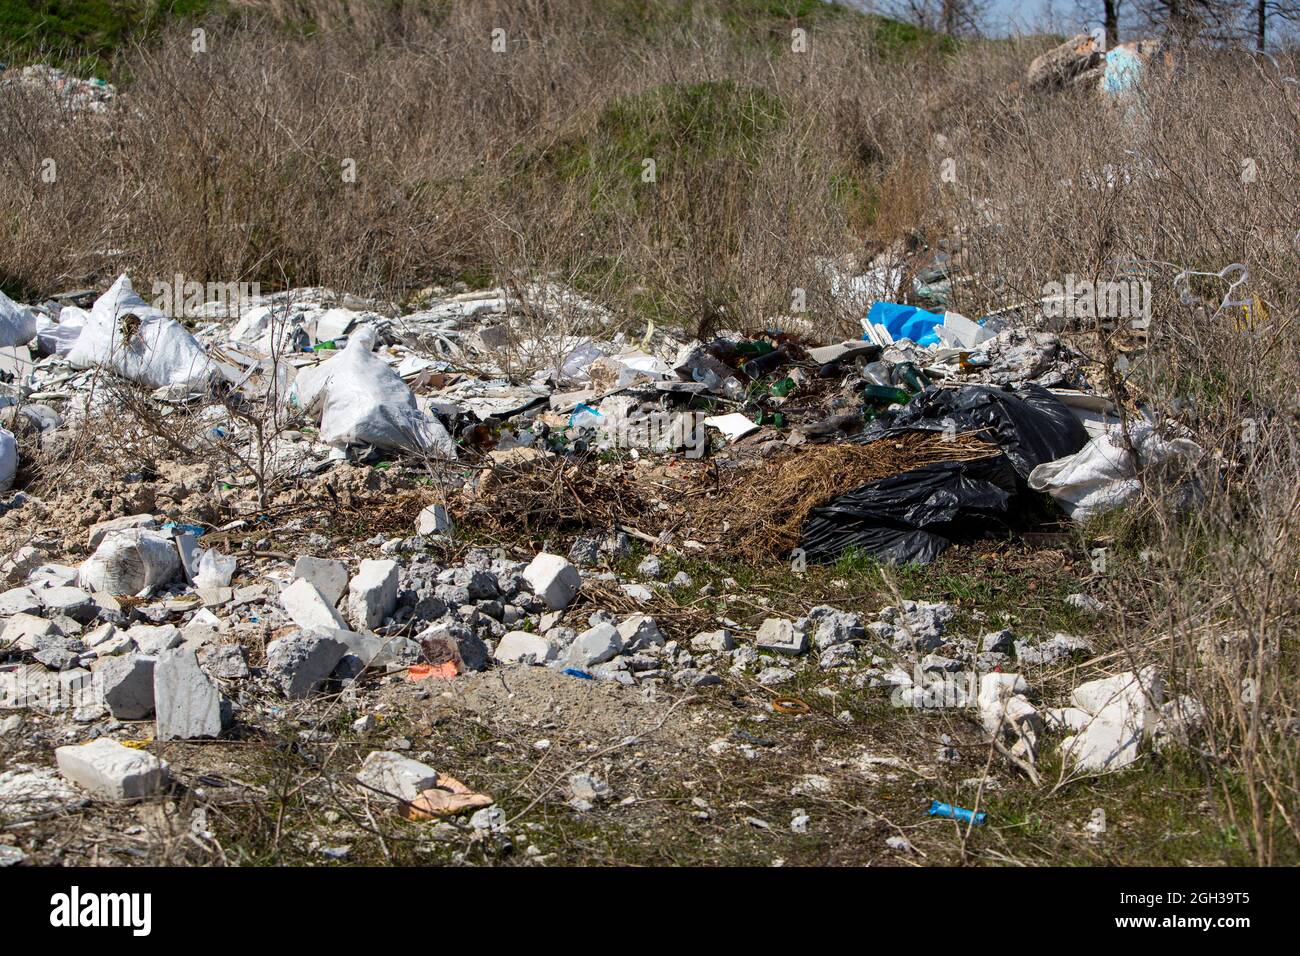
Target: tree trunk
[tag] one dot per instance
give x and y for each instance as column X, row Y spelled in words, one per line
column 1112, row 23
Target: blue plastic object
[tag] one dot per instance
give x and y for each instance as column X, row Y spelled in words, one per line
column 1122, row 72
column 193, row 529
column 938, row 809
column 906, row 322
column 574, row 672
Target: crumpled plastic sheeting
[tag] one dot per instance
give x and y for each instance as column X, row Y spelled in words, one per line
column 60, row 337
column 17, row 323
column 125, row 334
column 1029, row 424
column 361, row 401
column 1103, row 475
column 911, row 518
column 130, row 562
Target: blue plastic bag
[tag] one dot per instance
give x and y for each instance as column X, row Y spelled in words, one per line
column 906, row 322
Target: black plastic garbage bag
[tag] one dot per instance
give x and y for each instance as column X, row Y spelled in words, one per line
column 910, row 518
column 1029, row 424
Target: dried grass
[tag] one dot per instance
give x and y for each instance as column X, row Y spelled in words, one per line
column 761, row 512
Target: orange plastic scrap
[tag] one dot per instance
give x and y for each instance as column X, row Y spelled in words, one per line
column 449, row 798
column 444, row 671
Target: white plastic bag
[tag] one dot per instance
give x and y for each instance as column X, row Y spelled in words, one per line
column 215, row 570
column 1102, row 475
column 130, row 561
column 8, row 459
column 58, row 338
column 139, row 342
column 17, row 323
column 361, row 401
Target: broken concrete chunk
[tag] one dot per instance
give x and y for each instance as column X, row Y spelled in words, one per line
column 110, row 771
column 154, row 639
column 372, row 594
column 1007, row 714
column 718, row 641
column 554, row 579
column 520, row 647
column 831, row 626
column 396, row 777
column 1102, row 747
column 594, row 646
column 1069, row 719
column 778, row 634
column 187, row 703
column 328, row 576
column 309, row 609
column 433, row 520
column 126, row 686
column 998, row 642
column 1130, row 700
column 639, row 632
column 70, row 602
column 23, row 631
column 1055, row 648
column 298, row 664
column 225, row 661
column 20, row 601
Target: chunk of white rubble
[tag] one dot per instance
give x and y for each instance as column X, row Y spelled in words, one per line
column 154, row 639
column 299, row 663
column 186, row 701
column 126, row 686
column 110, row 771
column 554, row 579
column 395, row 776
column 782, row 636
column 1131, row 700
column 432, row 520
column 309, row 609
column 372, row 593
column 594, row 646
column 639, row 632
column 1006, row 712
column 328, row 576
column 521, row 647
column 718, row 641
column 30, row 792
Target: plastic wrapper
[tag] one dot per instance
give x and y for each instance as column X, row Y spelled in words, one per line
column 17, row 323
column 361, row 401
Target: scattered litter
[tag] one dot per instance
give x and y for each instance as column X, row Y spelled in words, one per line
column 939, row 809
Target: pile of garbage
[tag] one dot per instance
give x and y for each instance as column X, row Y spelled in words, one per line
column 182, row 625
column 305, row 380
column 70, row 92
